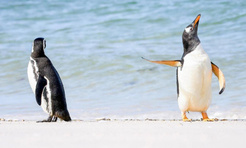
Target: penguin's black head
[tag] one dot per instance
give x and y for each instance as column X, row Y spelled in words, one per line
column 189, row 37
column 39, row 45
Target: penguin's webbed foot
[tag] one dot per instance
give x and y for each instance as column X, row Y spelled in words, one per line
column 184, row 117
column 205, row 117
column 50, row 119
column 208, row 120
column 187, row 120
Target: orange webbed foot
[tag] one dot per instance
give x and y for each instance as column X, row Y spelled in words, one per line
column 184, row 117
column 205, row 117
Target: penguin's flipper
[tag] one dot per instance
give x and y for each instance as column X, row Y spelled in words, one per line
column 174, row 63
column 41, row 83
column 220, row 76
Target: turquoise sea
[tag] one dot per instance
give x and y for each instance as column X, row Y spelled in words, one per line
column 96, row 46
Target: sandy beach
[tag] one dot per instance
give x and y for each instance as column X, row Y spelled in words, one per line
column 127, row 134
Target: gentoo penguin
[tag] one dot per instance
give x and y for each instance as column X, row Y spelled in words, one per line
column 194, row 74
column 46, row 83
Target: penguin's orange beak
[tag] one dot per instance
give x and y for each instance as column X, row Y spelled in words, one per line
column 196, row 20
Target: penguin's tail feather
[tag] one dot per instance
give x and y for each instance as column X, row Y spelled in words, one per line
column 64, row 115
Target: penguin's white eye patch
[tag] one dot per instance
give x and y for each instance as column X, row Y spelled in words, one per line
column 188, row 29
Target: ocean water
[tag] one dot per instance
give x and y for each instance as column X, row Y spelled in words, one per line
column 96, row 46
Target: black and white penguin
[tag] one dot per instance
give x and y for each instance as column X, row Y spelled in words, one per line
column 194, row 74
column 46, row 83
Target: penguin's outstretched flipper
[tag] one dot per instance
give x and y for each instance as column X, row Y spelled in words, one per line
column 41, row 83
column 220, row 76
column 173, row 63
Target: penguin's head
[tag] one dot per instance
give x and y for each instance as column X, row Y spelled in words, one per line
column 39, row 45
column 189, row 37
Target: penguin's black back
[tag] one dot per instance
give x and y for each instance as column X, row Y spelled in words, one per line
column 48, row 71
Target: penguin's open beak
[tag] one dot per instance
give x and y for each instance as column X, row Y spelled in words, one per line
column 196, row 21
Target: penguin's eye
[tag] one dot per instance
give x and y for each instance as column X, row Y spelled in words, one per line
column 191, row 28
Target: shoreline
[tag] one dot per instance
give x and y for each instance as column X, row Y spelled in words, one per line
column 122, row 120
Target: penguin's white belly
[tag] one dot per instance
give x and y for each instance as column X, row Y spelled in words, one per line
column 195, row 81
column 32, row 72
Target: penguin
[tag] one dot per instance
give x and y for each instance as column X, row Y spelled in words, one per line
column 46, row 83
column 194, row 74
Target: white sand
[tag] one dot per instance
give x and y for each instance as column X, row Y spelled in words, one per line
column 123, row 134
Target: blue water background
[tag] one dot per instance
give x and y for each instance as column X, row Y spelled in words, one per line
column 96, row 46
